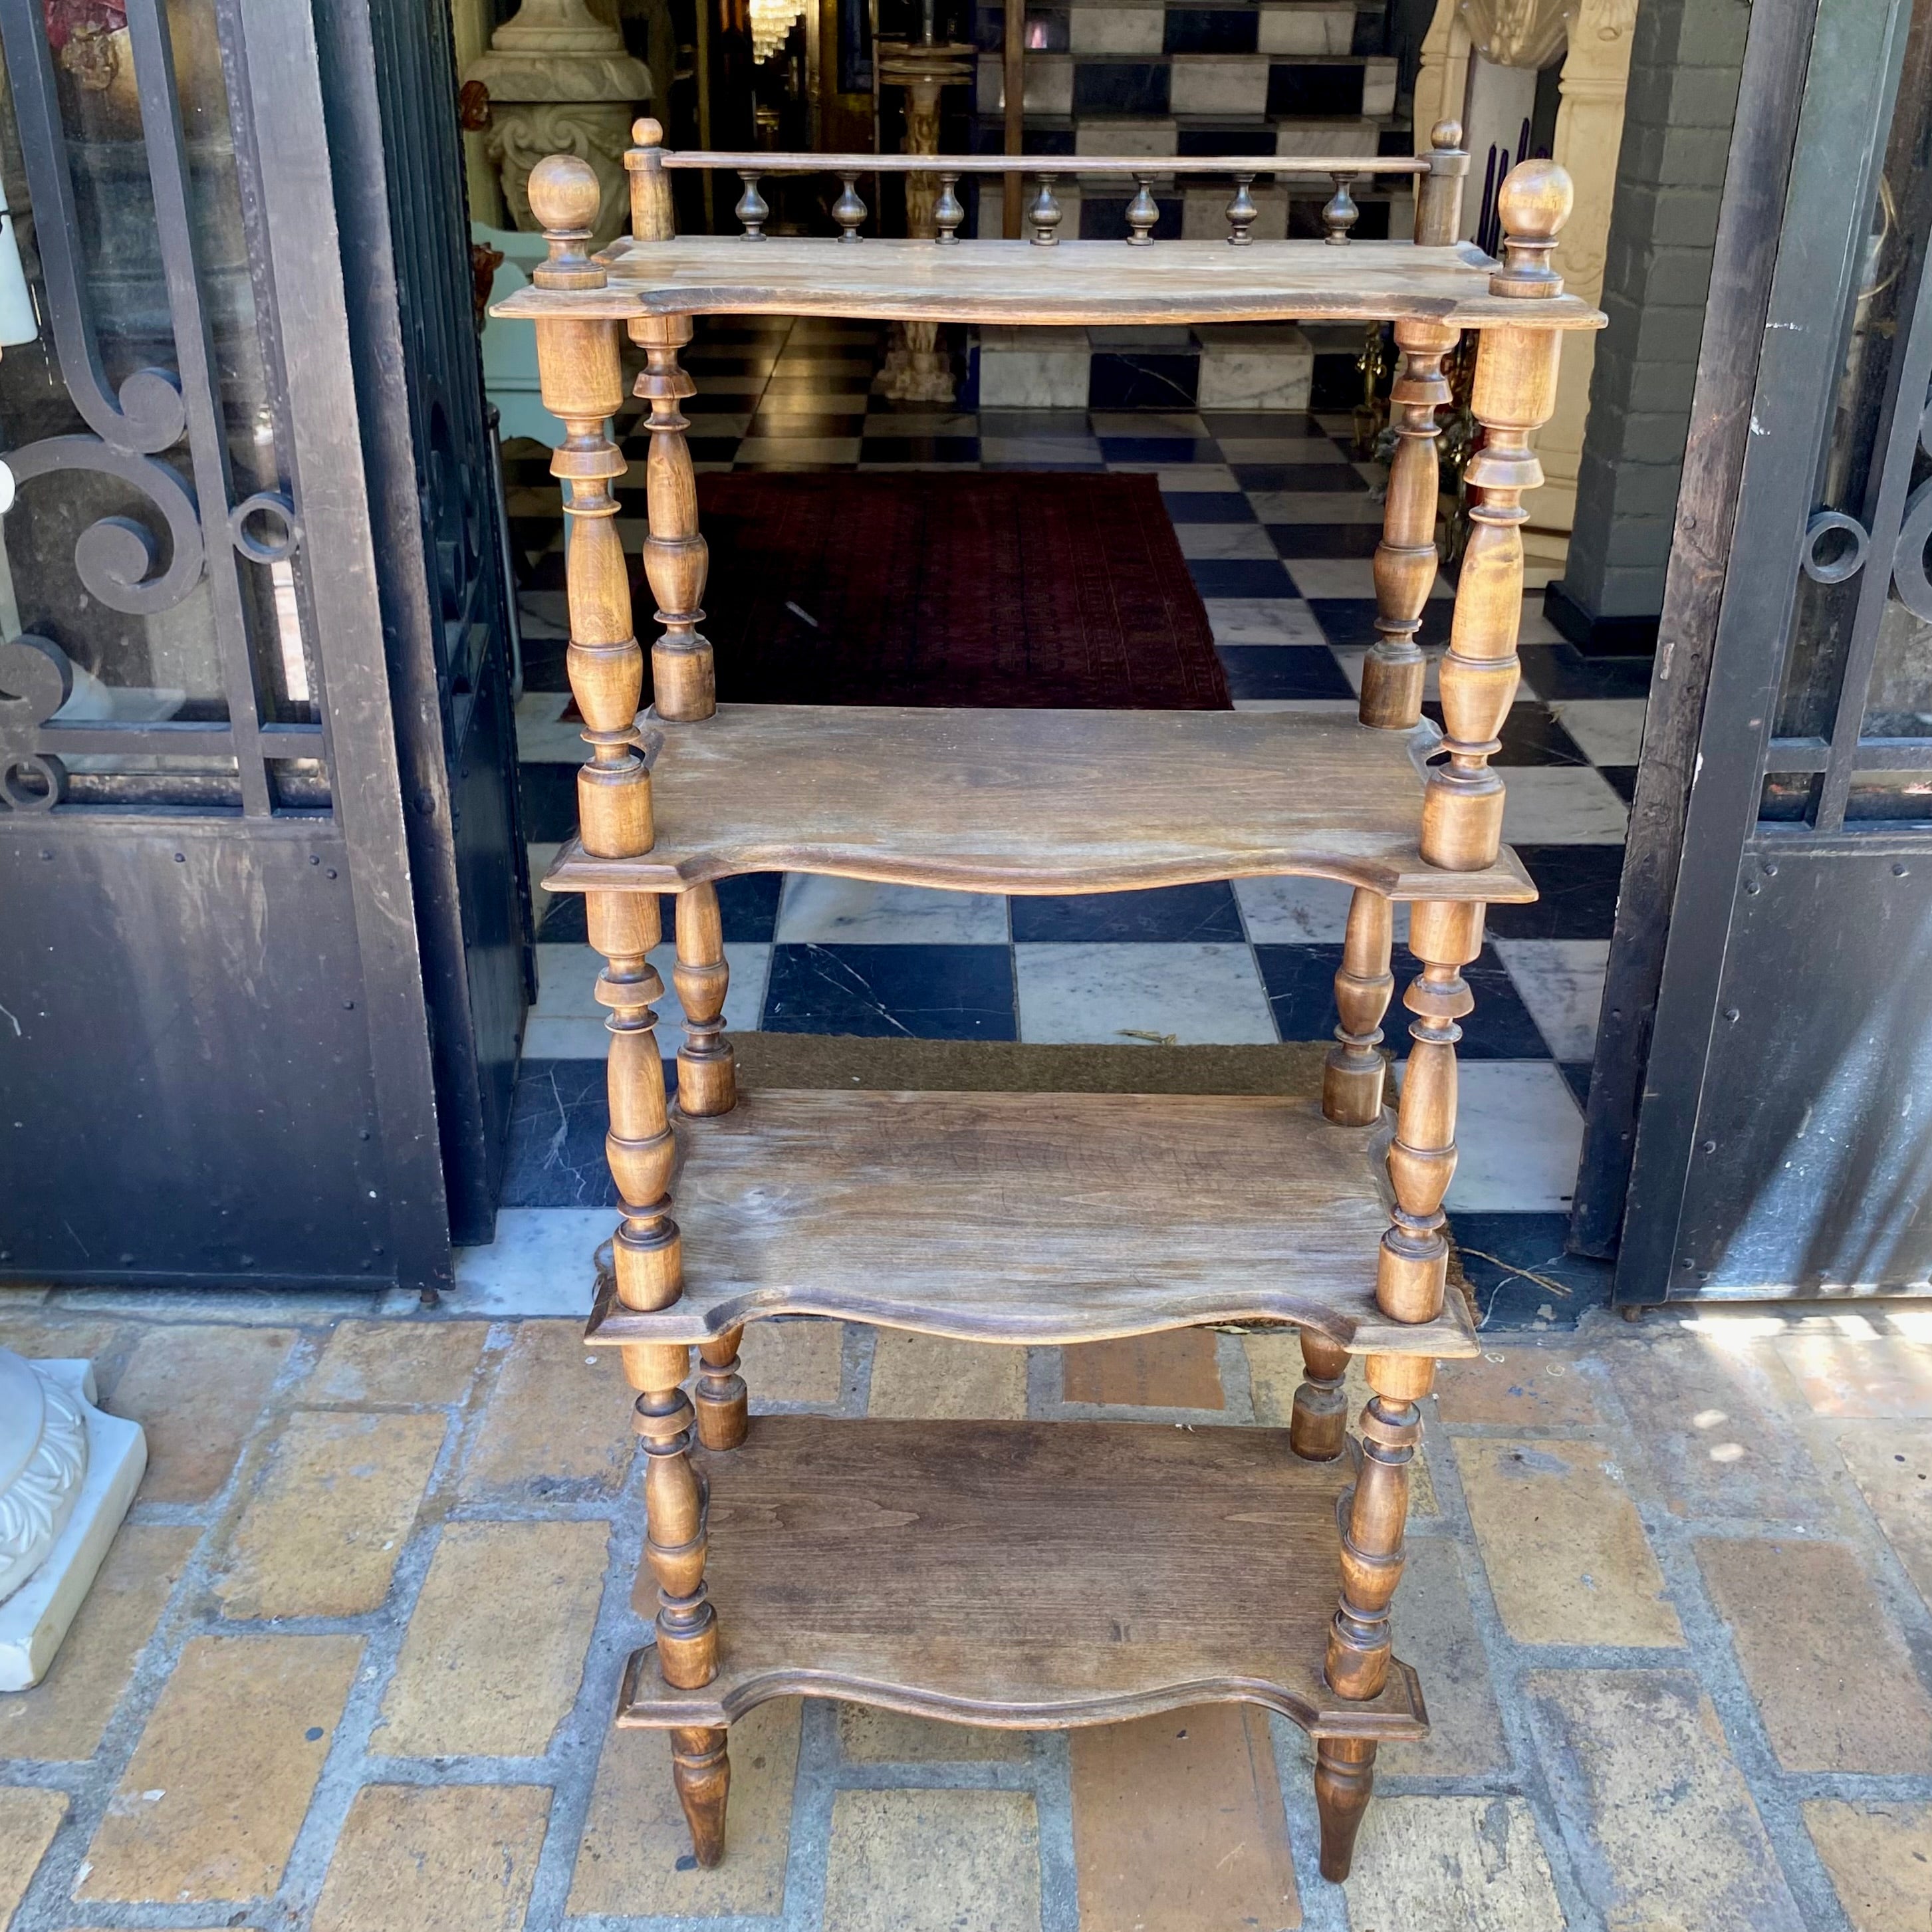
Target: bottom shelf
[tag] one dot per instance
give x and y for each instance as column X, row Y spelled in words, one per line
column 1026, row 1575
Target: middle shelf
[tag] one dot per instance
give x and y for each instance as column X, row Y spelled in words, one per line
column 1031, row 1218
column 1037, row 802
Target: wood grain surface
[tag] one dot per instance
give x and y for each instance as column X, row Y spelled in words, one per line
column 1039, row 802
column 1068, row 282
column 1032, row 1218
column 1024, row 1575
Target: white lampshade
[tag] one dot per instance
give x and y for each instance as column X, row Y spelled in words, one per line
column 18, row 322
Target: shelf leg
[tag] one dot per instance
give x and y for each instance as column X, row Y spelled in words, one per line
column 683, row 683
column 1351, row 1082
column 1376, row 1513
column 723, row 1420
column 701, row 1769
column 1405, row 559
column 1345, row 1775
column 1318, row 1425
column 674, row 1531
column 707, row 1068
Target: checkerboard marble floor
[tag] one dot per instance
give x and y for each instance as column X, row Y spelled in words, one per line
column 1279, row 524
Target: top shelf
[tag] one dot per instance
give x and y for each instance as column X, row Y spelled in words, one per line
column 1070, row 283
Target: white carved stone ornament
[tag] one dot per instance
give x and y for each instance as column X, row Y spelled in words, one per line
column 43, row 1465
column 1518, row 33
column 560, row 82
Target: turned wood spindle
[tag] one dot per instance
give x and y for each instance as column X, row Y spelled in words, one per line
column 1241, row 213
column 723, row 1417
column 1352, row 1080
column 1412, row 1268
column 1439, row 194
column 707, row 1078
column 1406, row 559
column 684, row 684
column 674, row 1525
column 1044, row 215
column 1514, row 391
column 1340, row 213
column 848, row 211
column 701, row 1771
column 1373, row 1517
column 1143, row 212
column 948, row 212
column 752, row 209
column 1317, row 1425
column 652, row 218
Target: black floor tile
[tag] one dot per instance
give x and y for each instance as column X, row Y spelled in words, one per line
column 1531, row 735
column 1561, row 670
column 1251, row 423
column 1323, row 540
column 559, row 1117
column 806, row 422
column 1282, row 670
column 928, row 992
column 1337, row 477
column 1351, row 620
column 1117, row 381
column 1576, row 1074
column 1240, row 576
column 1208, row 506
column 1517, row 1266
column 1300, row 982
column 919, row 449
column 1579, row 888
column 550, row 801
column 1172, row 912
column 1622, row 780
column 1170, row 452
column 543, row 664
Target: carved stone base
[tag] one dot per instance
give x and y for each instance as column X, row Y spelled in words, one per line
column 34, row 1620
column 916, row 369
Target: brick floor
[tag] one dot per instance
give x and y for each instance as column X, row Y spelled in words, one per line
column 351, row 1663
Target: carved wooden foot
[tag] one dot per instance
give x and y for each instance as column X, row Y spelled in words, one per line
column 1345, row 1775
column 1319, row 1424
column 700, row 1768
column 723, row 1419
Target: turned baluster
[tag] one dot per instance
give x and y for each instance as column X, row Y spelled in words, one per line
column 652, row 218
column 848, row 211
column 1514, row 391
column 1044, row 215
column 1241, row 213
column 1439, row 194
column 948, row 211
column 723, row 1418
column 683, row 683
column 583, row 383
column 1317, row 1425
column 1143, row 212
column 707, row 1081
column 1340, row 213
column 1405, row 559
column 752, row 208
column 1352, row 1082
column 1374, row 1515
column 702, row 1773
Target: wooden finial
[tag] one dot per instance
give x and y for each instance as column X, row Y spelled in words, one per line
column 564, row 197
column 1438, row 195
column 652, row 219
column 1533, row 203
column 1444, row 136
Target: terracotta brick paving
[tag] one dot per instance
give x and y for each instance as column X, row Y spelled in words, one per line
column 353, row 1661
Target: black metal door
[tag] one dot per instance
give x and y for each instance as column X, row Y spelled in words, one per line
column 1782, row 1124
column 228, row 1050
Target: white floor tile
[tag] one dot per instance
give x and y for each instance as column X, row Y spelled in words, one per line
column 856, row 912
column 539, row 1264
column 1560, row 981
column 1203, row 994
column 542, row 736
column 1302, row 450
column 570, row 1036
column 1346, row 577
column 1186, row 476
column 800, row 449
column 1262, row 620
column 1180, row 427
column 1314, row 506
column 1535, row 627
column 1301, row 912
column 1519, row 1136
column 1561, row 804
column 1610, row 730
column 1227, row 542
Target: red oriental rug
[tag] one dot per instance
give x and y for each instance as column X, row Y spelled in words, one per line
column 1012, row 588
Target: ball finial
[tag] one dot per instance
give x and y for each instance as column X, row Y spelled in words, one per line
column 1446, row 134
column 1535, row 201
column 564, row 195
column 647, row 133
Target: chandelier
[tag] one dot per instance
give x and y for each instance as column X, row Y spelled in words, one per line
column 771, row 25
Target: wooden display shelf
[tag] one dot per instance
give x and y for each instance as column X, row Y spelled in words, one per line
column 1072, row 282
column 1031, row 1218
column 1037, row 802
column 1024, row 1575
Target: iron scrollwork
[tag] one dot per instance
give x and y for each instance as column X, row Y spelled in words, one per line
column 40, row 679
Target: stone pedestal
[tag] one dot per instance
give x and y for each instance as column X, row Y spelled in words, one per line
column 67, row 1474
column 560, row 82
